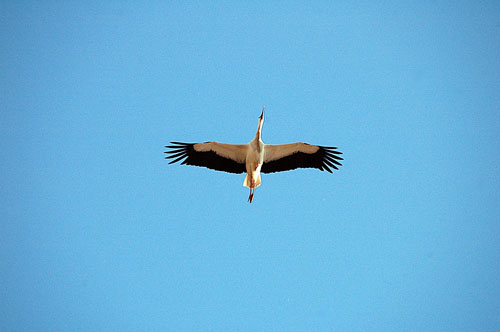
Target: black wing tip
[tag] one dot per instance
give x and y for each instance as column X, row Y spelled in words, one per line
column 178, row 159
column 182, row 143
column 175, row 160
column 331, row 149
column 331, row 158
column 177, row 152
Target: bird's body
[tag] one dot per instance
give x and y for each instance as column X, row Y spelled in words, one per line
column 255, row 157
column 253, row 164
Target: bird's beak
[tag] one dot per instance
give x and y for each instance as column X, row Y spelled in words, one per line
column 262, row 114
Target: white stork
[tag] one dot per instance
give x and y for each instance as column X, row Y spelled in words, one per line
column 255, row 157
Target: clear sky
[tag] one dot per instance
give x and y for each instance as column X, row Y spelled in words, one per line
column 99, row 233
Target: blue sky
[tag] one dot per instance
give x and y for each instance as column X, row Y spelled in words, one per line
column 98, row 233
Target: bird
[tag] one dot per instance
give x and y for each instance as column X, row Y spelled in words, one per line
column 255, row 157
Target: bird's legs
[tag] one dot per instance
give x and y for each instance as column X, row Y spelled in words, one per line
column 250, row 198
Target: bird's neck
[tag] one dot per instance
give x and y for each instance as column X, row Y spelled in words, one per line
column 258, row 135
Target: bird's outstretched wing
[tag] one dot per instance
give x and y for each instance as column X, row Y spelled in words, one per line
column 285, row 157
column 214, row 155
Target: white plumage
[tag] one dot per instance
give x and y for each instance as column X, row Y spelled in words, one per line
column 255, row 157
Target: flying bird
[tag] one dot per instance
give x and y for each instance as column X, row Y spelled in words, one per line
column 255, row 157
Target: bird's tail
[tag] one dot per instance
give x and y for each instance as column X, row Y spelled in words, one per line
column 248, row 183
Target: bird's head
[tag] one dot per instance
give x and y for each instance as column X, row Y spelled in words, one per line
column 261, row 121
